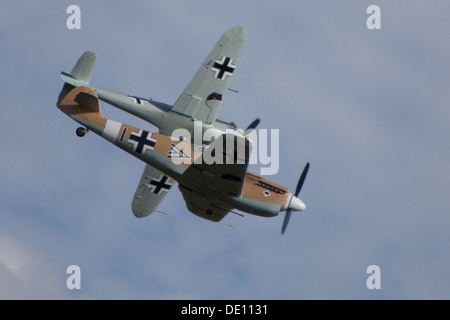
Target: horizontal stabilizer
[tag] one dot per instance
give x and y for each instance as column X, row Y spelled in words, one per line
column 88, row 100
column 81, row 101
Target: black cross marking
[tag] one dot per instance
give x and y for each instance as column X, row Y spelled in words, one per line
column 160, row 185
column 223, row 68
column 141, row 141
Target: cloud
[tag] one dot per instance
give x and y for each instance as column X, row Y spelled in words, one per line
column 26, row 273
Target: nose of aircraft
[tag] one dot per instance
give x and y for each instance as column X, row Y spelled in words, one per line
column 296, row 204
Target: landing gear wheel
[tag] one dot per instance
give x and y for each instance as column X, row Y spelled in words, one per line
column 81, row 131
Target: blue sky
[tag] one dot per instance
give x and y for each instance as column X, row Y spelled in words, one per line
column 368, row 108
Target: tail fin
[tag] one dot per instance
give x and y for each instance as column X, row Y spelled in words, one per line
column 84, row 67
column 80, row 74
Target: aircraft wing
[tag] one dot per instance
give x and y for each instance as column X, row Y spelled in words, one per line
column 223, row 166
column 152, row 189
column 202, row 98
column 204, row 206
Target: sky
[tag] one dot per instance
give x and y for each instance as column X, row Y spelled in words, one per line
column 367, row 108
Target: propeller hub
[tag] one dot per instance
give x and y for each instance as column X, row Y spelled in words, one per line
column 296, row 204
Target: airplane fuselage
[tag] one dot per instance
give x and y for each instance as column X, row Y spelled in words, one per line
column 154, row 149
column 157, row 113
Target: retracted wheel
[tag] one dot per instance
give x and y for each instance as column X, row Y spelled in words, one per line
column 81, row 131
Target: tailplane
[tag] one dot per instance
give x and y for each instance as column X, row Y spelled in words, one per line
column 82, row 103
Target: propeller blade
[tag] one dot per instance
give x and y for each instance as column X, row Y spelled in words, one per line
column 297, row 191
column 252, row 126
column 301, row 180
column 286, row 220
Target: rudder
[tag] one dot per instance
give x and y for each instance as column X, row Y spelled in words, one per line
column 82, row 71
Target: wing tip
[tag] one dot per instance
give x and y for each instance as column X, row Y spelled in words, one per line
column 238, row 31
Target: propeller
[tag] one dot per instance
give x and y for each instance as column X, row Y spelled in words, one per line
column 297, row 191
column 252, row 126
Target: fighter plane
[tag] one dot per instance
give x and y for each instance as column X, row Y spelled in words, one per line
column 211, row 175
